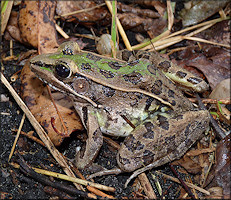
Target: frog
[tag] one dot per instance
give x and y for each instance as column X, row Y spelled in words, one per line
column 135, row 97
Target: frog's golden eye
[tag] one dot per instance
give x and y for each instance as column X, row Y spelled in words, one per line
column 62, row 70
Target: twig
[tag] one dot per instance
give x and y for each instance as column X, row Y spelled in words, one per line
column 68, row 178
column 188, row 184
column 44, row 180
column 17, row 136
column 80, row 11
column 212, row 101
column 148, row 190
column 31, row 137
column 91, row 189
column 182, row 182
column 219, row 131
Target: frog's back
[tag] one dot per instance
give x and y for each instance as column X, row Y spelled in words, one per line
column 138, row 76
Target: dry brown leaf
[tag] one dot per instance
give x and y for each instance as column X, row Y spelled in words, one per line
column 220, row 173
column 12, row 27
column 215, row 73
column 36, row 23
column 36, row 97
column 141, row 12
column 191, row 166
column 140, row 24
column 86, row 18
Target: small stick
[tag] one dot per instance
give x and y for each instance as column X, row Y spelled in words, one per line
column 44, row 180
column 31, row 137
column 188, row 184
column 182, row 182
column 17, row 136
column 57, row 110
column 147, row 186
column 75, row 180
column 212, row 101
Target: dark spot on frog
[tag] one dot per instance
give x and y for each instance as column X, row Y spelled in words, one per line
column 148, row 103
column 152, row 69
column 170, row 140
column 173, row 103
column 97, row 136
column 181, row 74
column 133, row 77
column 67, row 51
column 149, row 126
column 157, row 87
column 187, row 130
column 165, row 65
column 194, row 80
column 163, row 122
column 85, row 115
column 188, row 142
column 139, row 95
column 85, row 66
column 149, row 135
column 93, row 57
column 129, row 142
column 138, row 146
column 148, row 157
column 107, row 74
column 114, row 65
column 109, row 92
column 133, row 63
column 171, row 93
column 178, row 117
column 123, row 161
column 126, row 55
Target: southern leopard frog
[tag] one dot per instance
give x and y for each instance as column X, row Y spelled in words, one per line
column 131, row 98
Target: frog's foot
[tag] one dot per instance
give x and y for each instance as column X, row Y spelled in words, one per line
column 86, row 156
column 165, row 159
column 114, row 171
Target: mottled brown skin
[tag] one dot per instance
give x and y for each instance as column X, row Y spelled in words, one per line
column 106, row 97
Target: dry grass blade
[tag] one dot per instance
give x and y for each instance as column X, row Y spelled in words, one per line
column 68, row 178
column 205, row 41
column 61, row 32
column 80, row 11
column 187, row 183
column 17, row 136
column 6, row 7
column 170, row 15
column 120, row 28
column 147, row 186
column 42, row 134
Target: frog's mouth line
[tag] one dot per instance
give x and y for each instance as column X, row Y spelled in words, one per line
column 48, row 77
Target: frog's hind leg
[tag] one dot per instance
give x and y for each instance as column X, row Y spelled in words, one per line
column 154, row 145
column 86, row 156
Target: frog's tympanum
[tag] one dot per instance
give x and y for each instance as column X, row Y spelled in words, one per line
column 135, row 97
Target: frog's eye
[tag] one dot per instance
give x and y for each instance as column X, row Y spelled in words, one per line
column 62, row 70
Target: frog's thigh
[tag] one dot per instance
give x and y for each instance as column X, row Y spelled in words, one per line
column 94, row 141
column 150, row 143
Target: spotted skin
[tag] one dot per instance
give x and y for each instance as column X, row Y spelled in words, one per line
column 133, row 99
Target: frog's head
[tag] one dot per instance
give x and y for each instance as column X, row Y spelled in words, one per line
column 61, row 73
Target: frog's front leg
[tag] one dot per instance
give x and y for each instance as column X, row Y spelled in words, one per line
column 154, row 143
column 86, row 156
